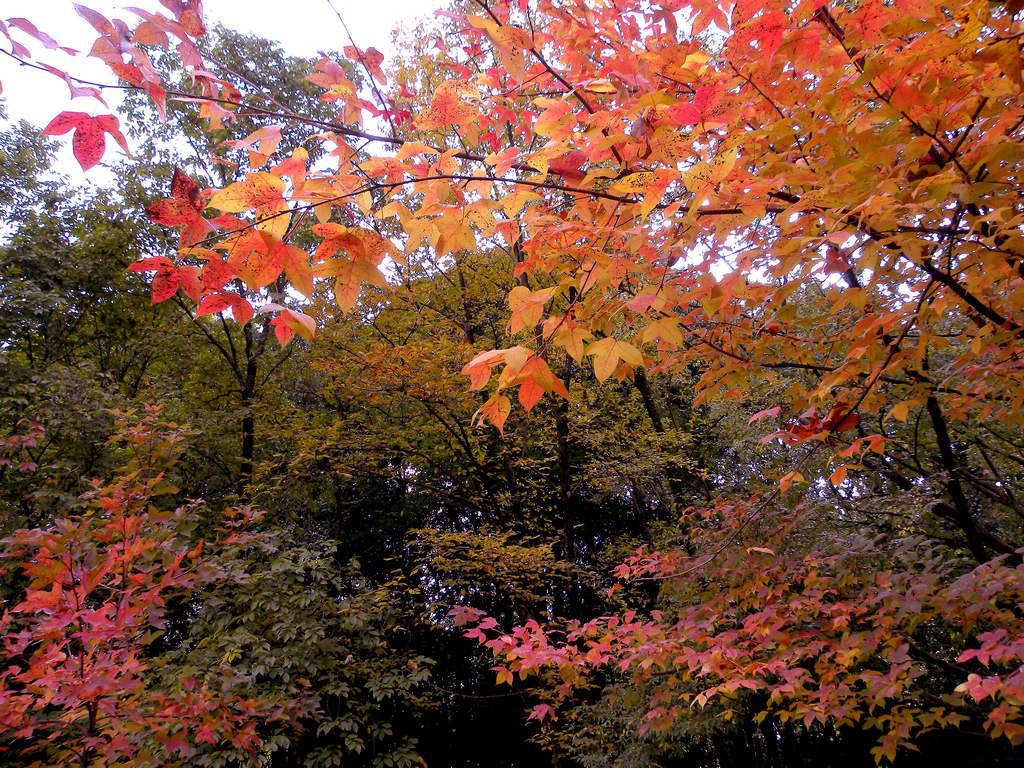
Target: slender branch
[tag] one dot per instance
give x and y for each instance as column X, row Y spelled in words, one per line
column 373, row 85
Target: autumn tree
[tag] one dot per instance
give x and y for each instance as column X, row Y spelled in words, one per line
column 238, row 143
column 380, row 458
column 811, row 208
column 96, row 588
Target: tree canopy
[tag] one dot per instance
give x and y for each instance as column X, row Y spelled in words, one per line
column 658, row 359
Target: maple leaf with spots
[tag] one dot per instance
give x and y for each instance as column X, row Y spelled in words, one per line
column 183, row 209
column 89, row 139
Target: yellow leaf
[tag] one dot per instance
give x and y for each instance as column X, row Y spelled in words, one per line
column 349, row 277
column 258, row 191
column 788, row 479
column 276, row 225
column 600, row 86
column 572, row 339
column 633, row 184
column 516, row 357
column 322, row 211
column 411, row 148
column 666, row 329
column 301, row 323
column 901, row 410
column 527, row 306
column 556, row 121
column 608, row 352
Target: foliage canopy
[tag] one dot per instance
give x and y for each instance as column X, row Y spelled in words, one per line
column 796, row 223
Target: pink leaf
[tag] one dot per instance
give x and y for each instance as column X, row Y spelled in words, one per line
column 773, row 412
column 64, row 122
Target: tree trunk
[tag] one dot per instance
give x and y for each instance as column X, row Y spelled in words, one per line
column 248, row 398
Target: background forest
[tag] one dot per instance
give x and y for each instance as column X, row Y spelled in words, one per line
column 320, row 553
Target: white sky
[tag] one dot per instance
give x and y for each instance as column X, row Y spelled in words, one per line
column 302, row 26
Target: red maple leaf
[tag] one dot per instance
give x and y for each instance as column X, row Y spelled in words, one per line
column 184, row 208
column 88, row 141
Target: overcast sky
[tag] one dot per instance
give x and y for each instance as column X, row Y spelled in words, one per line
column 302, row 26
